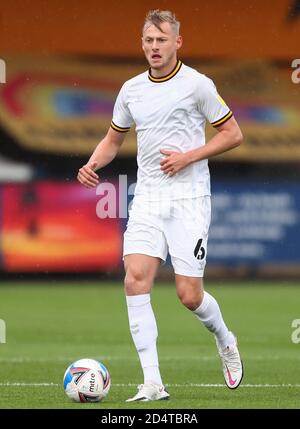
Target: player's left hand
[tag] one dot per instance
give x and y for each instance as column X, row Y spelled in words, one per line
column 174, row 162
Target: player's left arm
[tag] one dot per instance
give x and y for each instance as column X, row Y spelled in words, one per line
column 228, row 137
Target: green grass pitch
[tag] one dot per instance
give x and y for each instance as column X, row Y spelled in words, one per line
column 50, row 325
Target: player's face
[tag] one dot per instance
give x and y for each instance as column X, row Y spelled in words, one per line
column 160, row 47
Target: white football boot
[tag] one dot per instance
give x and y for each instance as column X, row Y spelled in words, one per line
column 232, row 365
column 150, row 392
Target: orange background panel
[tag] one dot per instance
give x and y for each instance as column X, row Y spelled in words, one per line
column 112, row 28
column 53, row 226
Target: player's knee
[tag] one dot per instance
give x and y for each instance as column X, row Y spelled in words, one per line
column 190, row 300
column 134, row 282
column 190, row 303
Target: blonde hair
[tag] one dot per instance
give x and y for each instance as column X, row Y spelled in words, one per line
column 157, row 17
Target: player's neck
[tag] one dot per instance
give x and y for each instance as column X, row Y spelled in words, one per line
column 164, row 71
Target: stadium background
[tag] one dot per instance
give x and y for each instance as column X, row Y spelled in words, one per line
column 65, row 62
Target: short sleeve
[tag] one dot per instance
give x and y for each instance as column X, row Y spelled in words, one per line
column 122, row 119
column 211, row 104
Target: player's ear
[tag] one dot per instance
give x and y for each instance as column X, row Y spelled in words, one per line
column 179, row 42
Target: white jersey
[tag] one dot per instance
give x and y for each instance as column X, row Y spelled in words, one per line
column 169, row 113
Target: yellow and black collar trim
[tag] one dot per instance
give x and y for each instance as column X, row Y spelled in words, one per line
column 168, row 76
column 222, row 120
column 120, row 129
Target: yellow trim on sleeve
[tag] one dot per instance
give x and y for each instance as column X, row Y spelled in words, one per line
column 222, row 120
column 120, row 129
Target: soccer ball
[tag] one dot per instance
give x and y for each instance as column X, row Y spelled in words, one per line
column 87, row 380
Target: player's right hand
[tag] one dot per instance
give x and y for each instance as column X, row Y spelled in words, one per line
column 87, row 176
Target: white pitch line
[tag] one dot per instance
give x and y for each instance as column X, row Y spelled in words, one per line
column 200, row 385
column 9, row 384
column 22, row 359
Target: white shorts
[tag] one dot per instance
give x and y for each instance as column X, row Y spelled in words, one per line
column 179, row 227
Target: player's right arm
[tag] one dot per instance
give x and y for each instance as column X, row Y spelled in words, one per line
column 104, row 153
column 108, row 148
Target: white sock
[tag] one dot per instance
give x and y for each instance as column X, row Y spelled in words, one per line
column 210, row 315
column 143, row 329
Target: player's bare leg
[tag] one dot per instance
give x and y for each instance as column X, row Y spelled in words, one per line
column 140, row 273
column 192, row 295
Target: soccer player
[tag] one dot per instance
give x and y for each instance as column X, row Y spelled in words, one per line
column 169, row 104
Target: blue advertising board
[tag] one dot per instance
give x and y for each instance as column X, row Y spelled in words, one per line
column 255, row 223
